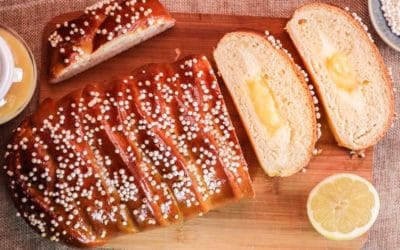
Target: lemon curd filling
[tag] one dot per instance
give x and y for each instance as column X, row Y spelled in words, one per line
column 264, row 104
column 340, row 72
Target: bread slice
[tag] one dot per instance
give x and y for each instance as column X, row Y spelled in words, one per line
column 348, row 72
column 272, row 98
column 104, row 30
column 111, row 49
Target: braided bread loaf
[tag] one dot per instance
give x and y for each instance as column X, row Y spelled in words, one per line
column 102, row 31
column 151, row 149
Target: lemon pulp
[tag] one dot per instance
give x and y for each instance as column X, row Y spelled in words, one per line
column 343, row 206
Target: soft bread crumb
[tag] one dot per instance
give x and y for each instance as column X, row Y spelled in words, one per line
column 244, row 56
column 354, row 154
column 317, row 151
column 278, row 45
column 359, row 119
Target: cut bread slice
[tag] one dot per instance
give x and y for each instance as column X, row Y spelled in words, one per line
column 102, row 31
column 111, row 49
column 272, row 98
column 348, row 72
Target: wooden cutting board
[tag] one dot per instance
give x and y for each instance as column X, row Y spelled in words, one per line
column 277, row 216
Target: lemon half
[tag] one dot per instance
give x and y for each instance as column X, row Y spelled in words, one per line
column 343, row 206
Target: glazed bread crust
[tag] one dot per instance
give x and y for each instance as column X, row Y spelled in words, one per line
column 150, row 149
column 102, row 31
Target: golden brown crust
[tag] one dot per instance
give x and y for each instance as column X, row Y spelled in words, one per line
column 308, row 96
column 378, row 56
column 150, row 149
column 99, row 24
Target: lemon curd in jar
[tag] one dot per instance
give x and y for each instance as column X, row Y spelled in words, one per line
column 20, row 92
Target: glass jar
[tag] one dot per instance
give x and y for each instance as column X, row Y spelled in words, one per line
column 18, row 74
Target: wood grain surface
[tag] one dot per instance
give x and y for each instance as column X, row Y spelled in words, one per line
column 277, row 216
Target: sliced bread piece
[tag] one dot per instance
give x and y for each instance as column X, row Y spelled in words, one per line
column 104, row 30
column 272, row 98
column 348, row 73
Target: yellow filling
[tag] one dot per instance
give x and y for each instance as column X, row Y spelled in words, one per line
column 264, row 104
column 341, row 73
column 19, row 93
